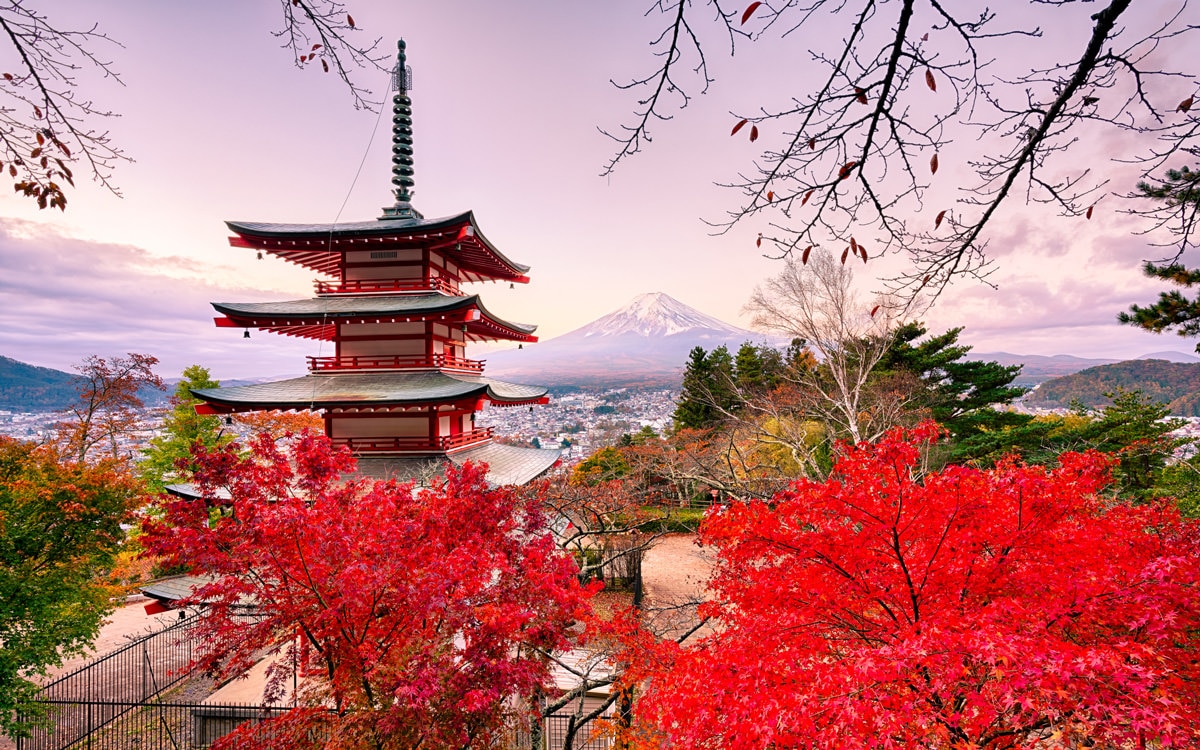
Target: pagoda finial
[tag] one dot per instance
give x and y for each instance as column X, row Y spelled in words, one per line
column 402, row 141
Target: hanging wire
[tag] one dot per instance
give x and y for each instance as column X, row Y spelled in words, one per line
column 350, row 191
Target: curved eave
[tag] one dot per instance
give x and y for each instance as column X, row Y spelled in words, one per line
column 316, row 318
column 320, row 246
column 507, row 464
column 368, row 392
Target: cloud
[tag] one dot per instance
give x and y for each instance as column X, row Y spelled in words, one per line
column 63, row 298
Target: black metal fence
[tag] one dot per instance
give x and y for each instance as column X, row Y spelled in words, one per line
column 152, row 726
column 99, row 692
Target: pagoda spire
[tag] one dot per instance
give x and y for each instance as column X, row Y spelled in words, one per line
column 402, row 142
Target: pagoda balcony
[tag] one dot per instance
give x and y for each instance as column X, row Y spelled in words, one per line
column 407, row 362
column 440, row 444
column 386, row 286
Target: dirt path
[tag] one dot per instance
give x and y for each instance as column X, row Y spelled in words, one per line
column 127, row 623
column 674, row 573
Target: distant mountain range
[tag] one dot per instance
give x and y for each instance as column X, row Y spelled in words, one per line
column 30, row 388
column 645, row 344
column 1037, row 368
column 1176, row 384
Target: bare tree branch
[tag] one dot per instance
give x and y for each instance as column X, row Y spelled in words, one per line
column 48, row 129
column 860, row 143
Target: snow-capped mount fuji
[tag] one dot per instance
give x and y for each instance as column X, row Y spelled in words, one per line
column 645, row 343
column 655, row 315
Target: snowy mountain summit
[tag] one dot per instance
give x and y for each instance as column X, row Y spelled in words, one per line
column 655, row 315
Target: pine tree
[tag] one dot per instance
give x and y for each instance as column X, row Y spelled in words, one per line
column 694, row 410
column 1179, row 197
column 959, row 392
column 182, row 428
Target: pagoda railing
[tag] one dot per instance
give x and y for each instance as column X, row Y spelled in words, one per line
column 382, row 286
column 357, row 362
column 414, row 444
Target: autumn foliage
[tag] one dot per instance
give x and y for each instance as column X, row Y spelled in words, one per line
column 1002, row 608
column 417, row 618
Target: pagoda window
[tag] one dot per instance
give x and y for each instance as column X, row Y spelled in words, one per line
column 364, row 330
column 457, row 335
column 467, row 424
column 379, row 426
column 357, row 257
column 376, row 348
column 384, row 271
column 444, row 426
column 451, row 269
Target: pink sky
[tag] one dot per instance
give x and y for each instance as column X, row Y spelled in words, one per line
column 507, row 100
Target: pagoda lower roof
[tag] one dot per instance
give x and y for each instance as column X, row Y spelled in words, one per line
column 367, row 391
column 507, row 464
column 313, row 317
column 319, row 246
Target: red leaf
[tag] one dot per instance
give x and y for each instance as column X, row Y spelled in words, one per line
column 925, row 37
column 749, row 12
column 12, row 170
column 37, row 112
column 316, row 47
column 324, row 65
column 303, row 58
column 933, row 164
column 40, row 138
column 738, row 127
column 1186, row 104
column 938, row 221
column 845, row 254
column 807, row 196
column 770, row 195
column 874, row 310
column 846, row 169
column 812, row 144
column 350, row 20
column 753, row 133
column 853, row 245
column 1089, row 212
column 863, row 251
column 929, row 80
column 925, row 280
column 758, row 242
column 860, row 95
column 8, row 76
column 804, row 257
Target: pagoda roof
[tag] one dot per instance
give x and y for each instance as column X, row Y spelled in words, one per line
column 315, row 318
column 320, row 246
column 367, row 391
column 507, row 464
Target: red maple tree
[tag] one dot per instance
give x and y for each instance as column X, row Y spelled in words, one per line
column 1006, row 608
column 416, row 618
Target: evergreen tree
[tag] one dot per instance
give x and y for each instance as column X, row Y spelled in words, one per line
column 694, row 410
column 959, row 392
column 748, row 366
column 1179, row 199
column 182, row 428
column 722, row 391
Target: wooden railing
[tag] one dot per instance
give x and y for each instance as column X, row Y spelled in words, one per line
column 414, row 444
column 381, row 286
column 401, row 362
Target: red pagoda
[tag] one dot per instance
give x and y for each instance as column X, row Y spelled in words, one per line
column 398, row 388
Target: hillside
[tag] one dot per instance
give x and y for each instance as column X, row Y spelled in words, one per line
column 29, row 388
column 1174, row 383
